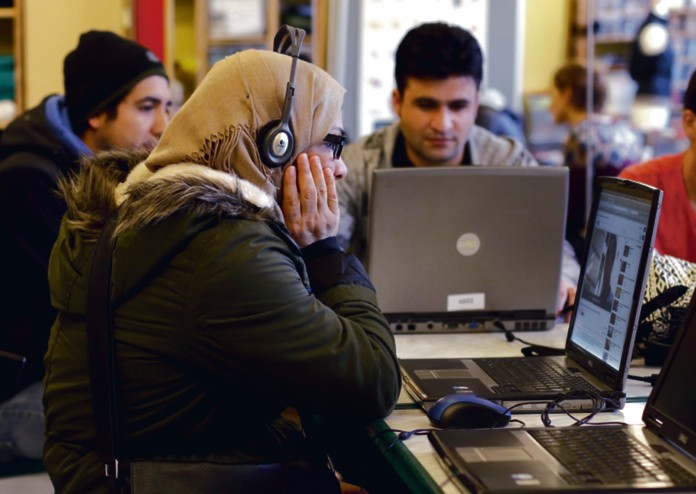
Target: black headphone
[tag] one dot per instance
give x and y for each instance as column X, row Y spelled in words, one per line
column 275, row 140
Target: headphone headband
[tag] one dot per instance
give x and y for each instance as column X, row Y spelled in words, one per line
column 288, row 41
column 276, row 142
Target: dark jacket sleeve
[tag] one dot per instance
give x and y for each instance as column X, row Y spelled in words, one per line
column 330, row 352
column 328, row 265
column 30, row 217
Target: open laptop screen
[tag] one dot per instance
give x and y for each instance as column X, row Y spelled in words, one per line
column 672, row 405
column 616, row 246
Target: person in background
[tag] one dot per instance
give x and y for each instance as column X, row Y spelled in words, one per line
column 650, row 63
column 608, row 143
column 233, row 304
column 438, row 72
column 675, row 174
column 494, row 115
column 116, row 96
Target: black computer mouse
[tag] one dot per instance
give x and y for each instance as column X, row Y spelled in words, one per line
column 469, row 412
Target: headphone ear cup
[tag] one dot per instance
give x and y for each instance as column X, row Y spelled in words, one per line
column 276, row 144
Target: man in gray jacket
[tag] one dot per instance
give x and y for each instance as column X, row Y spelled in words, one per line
column 438, row 71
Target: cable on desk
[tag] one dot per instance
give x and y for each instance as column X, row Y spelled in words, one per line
column 599, row 404
column 402, row 435
column 450, row 478
column 532, row 349
column 651, row 379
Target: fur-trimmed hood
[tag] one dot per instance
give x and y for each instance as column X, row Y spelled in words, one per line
column 192, row 196
column 119, row 178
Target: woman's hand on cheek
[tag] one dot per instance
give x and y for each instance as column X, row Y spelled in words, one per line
column 310, row 201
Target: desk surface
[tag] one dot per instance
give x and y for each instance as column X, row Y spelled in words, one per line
column 407, row 418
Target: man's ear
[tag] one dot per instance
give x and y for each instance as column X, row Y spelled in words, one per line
column 396, row 101
column 689, row 124
column 567, row 96
column 96, row 121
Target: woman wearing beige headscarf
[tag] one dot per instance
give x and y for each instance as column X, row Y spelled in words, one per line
column 232, row 302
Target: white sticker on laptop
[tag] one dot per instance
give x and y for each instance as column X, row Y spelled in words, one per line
column 466, row 301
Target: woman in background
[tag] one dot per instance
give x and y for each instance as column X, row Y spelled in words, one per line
column 604, row 142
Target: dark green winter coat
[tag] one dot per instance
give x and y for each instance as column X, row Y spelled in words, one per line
column 221, row 324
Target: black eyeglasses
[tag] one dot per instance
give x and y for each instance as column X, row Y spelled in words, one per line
column 336, row 143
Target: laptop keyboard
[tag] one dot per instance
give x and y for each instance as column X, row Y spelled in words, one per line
column 532, row 375
column 608, row 456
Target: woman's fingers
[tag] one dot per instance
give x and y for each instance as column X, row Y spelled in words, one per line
column 318, row 181
column 310, row 200
column 291, row 196
column 307, row 187
column 332, row 194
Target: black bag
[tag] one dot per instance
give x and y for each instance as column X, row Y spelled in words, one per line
column 669, row 287
column 293, row 477
column 172, row 477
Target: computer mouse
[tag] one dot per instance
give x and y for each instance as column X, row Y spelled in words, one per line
column 469, row 412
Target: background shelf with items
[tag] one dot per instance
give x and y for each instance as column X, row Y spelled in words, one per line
column 11, row 82
column 545, row 138
column 615, row 26
column 224, row 27
column 682, row 30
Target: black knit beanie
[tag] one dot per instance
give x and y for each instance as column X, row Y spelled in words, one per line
column 101, row 70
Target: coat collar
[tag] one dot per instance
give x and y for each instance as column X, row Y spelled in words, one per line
column 147, row 197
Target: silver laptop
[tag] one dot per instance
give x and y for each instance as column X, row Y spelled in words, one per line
column 657, row 457
column 453, row 248
column 601, row 333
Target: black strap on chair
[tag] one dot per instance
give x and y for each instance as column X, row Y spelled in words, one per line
column 102, row 362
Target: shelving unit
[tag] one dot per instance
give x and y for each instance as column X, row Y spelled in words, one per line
column 615, row 27
column 11, row 54
column 224, row 27
column 682, row 30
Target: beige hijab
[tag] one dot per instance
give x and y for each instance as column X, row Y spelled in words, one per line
column 218, row 125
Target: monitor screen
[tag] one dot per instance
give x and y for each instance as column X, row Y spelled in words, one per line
column 603, row 308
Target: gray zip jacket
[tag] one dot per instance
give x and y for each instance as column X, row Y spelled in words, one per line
column 376, row 151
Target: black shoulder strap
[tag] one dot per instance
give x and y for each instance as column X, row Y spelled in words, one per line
column 100, row 339
column 661, row 300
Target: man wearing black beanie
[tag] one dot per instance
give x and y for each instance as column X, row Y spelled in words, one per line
column 116, row 96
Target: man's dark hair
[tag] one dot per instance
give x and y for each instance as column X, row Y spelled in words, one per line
column 573, row 76
column 437, row 51
column 690, row 94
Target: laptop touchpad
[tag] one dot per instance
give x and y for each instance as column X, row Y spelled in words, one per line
column 443, row 374
column 497, row 454
column 499, row 475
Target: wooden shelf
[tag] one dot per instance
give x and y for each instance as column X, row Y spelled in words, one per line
column 209, row 48
column 8, row 12
column 616, row 23
column 614, row 39
column 240, row 40
column 11, row 43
